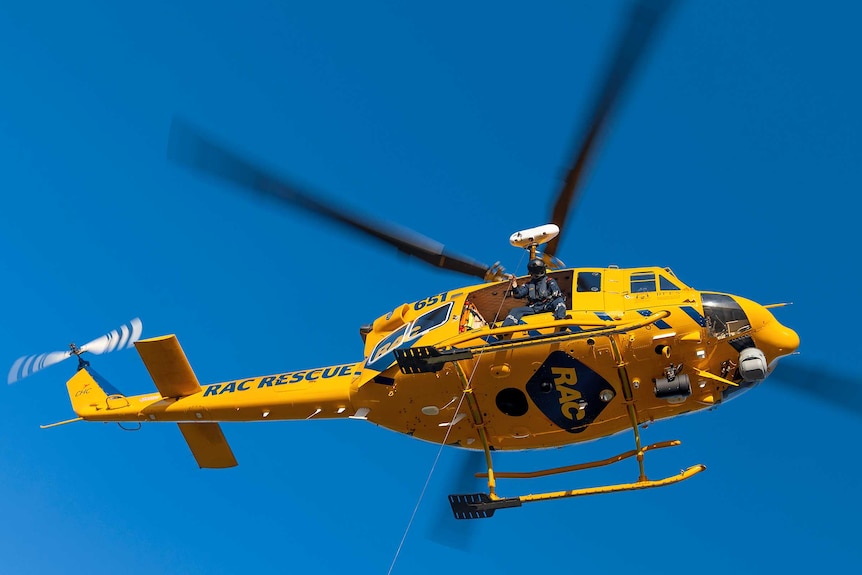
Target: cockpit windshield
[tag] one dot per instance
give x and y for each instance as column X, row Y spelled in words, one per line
column 724, row 316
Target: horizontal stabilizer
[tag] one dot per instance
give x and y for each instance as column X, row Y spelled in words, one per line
column 208, row 445
column 168, row 366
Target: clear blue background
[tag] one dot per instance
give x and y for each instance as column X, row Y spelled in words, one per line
column 734, row 159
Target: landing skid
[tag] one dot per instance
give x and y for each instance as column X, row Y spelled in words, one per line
column 482, row 505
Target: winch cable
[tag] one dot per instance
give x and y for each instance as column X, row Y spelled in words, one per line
column 446, row 436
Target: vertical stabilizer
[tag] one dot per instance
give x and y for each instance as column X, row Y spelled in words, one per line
column 85, row 393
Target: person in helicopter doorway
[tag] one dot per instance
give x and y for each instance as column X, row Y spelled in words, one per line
column 541, row 292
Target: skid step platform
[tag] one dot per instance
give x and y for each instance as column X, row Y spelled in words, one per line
column 427, row 359
column 479, row 505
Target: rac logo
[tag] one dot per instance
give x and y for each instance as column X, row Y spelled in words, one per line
column 567, row 392
column 565, row 379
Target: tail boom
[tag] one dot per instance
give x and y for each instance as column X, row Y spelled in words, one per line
column 317, row 393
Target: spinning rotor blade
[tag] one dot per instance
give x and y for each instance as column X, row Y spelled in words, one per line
column 189, row 147
column 841, row 391
column 121, row 338
column 643, row 21
column 30, row 364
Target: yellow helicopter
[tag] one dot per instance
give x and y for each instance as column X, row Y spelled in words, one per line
column 633, row 346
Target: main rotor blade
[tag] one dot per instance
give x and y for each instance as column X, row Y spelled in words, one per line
column 189, row 147
column 643, row 21
column 836, row 390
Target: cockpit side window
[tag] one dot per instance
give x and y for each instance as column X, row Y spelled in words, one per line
column 642, row 282
column 724, row 316
column 665, row 284
column 589, row 281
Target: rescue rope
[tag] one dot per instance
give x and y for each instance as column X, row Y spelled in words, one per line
column 446, row 437
column 502, row 301
column 427, row 480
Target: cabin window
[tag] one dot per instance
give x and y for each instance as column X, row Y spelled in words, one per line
column 589, row 281
column 642, row 282
column 383, row 354
column 425, row 323
column 381, row 357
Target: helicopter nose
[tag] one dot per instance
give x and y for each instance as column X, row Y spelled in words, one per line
column 773, row 338
column 777, row 340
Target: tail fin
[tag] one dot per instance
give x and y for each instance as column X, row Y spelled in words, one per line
column 88, row 392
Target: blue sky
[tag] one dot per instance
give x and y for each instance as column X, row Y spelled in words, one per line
column 734, row 159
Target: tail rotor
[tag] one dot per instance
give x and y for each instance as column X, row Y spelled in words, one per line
column 121, row 338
